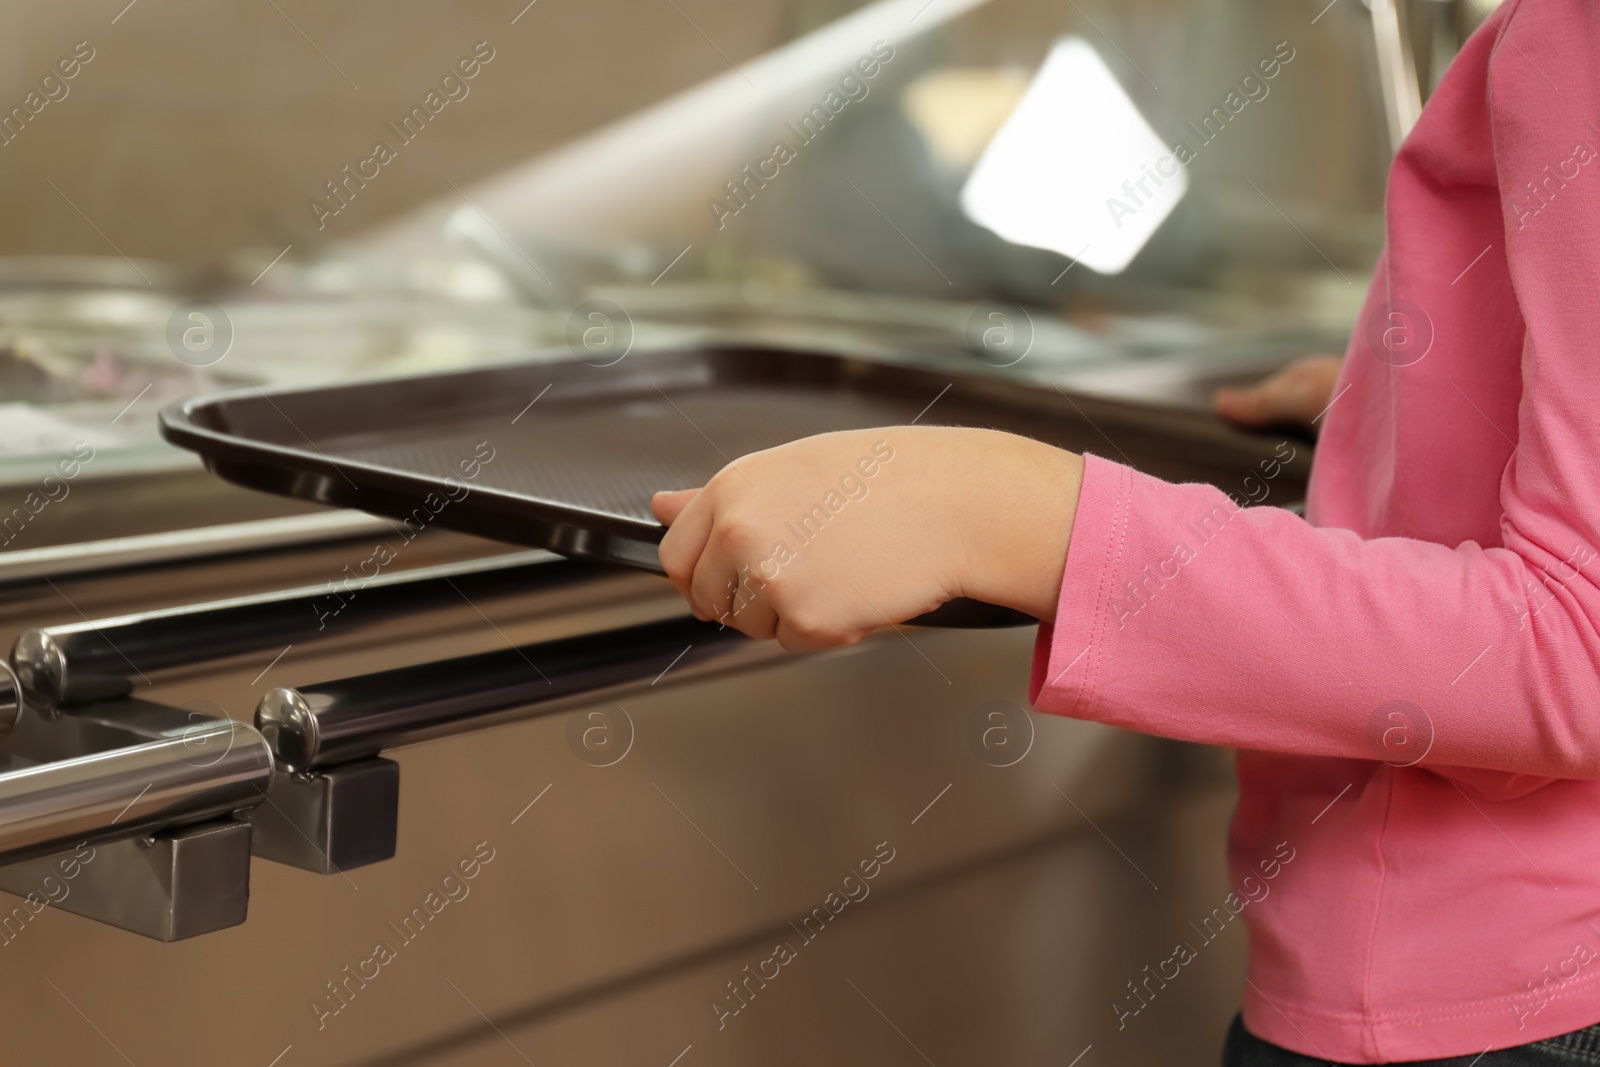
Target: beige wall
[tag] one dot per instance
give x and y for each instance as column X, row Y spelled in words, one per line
column 204, row 127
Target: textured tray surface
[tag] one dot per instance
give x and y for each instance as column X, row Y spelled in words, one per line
column 611, row 459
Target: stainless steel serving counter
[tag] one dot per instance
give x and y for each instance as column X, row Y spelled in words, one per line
column 640, row 872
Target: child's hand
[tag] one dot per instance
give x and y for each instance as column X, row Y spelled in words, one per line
column 821, row 541
column 1297, row 394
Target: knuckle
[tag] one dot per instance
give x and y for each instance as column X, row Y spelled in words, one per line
column 737, row 533
column 778, row 591
column 724, row 480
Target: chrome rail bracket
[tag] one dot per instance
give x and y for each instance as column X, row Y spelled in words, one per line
column 333, row 819
column 170, row 886
column 154, row 796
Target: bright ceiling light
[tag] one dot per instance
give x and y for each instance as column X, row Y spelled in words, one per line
column 1076, row 168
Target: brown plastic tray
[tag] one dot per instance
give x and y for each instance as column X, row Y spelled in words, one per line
column 579, row 449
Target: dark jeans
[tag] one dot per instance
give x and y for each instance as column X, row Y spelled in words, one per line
column 1581, row 1048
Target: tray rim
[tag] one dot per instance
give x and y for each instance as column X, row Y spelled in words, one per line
column 283, row 469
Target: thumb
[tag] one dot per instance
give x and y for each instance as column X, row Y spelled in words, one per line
column 668, row 505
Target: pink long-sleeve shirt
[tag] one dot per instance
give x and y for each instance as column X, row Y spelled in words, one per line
column 1411, row 674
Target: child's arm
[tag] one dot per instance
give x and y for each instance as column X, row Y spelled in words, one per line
column 1472, row 594
column 822, row 541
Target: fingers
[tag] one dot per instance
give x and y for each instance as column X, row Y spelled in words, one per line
column 714, row 582
column 1278, row 398
column 1246, row 406
column 1297, row 393
column 689, row 529
column 669, row 504
column 707, row 578
column 751, row 613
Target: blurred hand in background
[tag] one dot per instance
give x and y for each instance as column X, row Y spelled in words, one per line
column 1295, row 395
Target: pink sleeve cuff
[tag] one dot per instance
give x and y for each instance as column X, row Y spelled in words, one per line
column 1067, row 654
